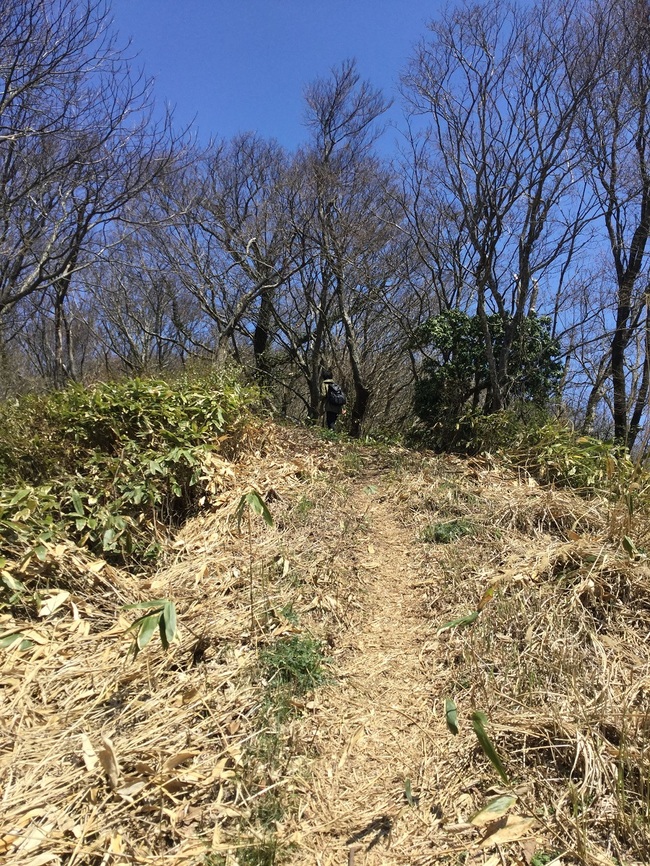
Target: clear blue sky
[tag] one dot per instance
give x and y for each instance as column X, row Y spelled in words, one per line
column 239, row 65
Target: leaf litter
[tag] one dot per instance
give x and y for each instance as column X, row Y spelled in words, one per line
column 398, row 757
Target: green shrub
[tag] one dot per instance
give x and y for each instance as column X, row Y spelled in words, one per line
column 548, row 449
column 476, row 433
column 111, row 465
column 454, row 378
column 552, row 452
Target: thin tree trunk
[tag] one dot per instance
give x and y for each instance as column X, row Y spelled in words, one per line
column 493, row 400
column 642, row 394
column 361, row 392
column 619, row 343
column 60, row 372
column 262, row 333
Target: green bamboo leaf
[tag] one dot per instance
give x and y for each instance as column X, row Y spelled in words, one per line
column 146, row 605
column 11, row 582
column 20, row 495
column 17, row 639
column 77, row 504
column 148, row 625
column 168, row 623
column 479, row 720
column 258, row 505
column 162, row 631
column 462, row 620
column 628, row 546
column 254, row 501
column 451, row 715
column 494, row 809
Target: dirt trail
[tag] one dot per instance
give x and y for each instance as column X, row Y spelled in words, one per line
column 371, row 799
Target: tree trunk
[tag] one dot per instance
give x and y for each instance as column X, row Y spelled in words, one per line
column 361, row 392
column 619, row 343
column 60, row 372
column 642, row 394
column 493, row 399
column 262, row 334
column 602, row 374
column 357, row 417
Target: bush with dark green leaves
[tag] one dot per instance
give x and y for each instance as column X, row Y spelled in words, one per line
column 454, row 380
column 110, row 465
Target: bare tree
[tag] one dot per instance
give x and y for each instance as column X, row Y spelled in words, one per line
column 614, row 134
column 355, row 217
column 225, row 239
column 491, row 85
column 76, row 145
column 141, row 316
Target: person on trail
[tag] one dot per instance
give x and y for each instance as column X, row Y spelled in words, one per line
column 332, row 399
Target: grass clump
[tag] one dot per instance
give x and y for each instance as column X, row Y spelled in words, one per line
column 290, row 668
column 294, row 665
column 541, row 858
column 447, row 531
column 303, row 509
column 261, row 854
column 552, row 452
column 549, row 449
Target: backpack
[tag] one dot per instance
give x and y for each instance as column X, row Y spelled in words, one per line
column 335, row 395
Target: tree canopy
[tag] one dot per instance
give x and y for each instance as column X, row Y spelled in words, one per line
column 516, row 210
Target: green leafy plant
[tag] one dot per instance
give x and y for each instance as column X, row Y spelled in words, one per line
column 260, row 854
column 160, row 616
column 303, row 508
column 11, row 588
column 15, row 640
column 451, row 716
column 113, row 467
column 468, row 619
column 479, row 721
column 292, row 667
column 454, row 377
column 288, row 612
column 541, row 858
column 408, row 793
column 253, row 501
column 296, row 661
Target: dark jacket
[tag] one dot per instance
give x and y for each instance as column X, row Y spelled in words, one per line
column 327, row 406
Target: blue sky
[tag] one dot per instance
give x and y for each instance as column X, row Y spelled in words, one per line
column 238, row 65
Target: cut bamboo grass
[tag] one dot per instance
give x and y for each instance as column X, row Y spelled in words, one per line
column 173, row 755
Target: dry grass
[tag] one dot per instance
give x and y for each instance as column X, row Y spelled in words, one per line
column 558, row 659
column 109, row 759
column 197, row 756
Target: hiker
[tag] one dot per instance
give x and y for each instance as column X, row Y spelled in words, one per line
column 332, row 399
